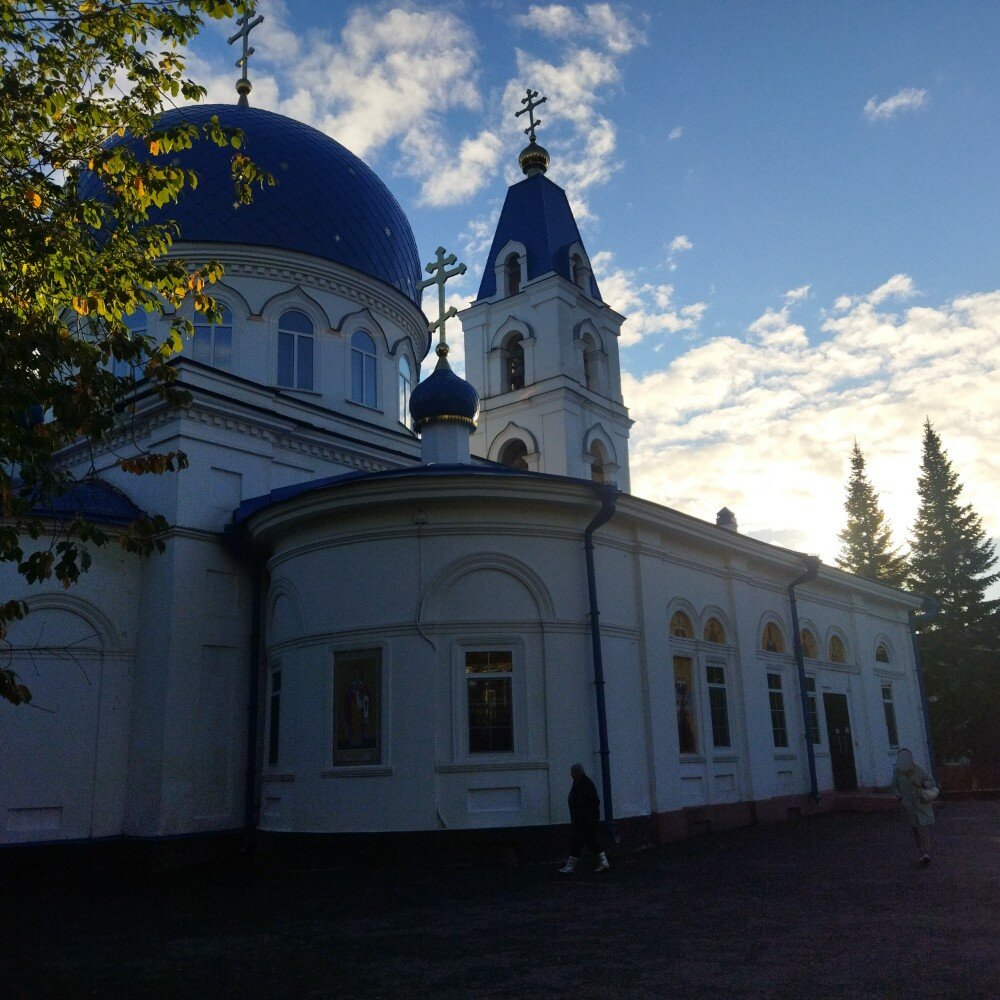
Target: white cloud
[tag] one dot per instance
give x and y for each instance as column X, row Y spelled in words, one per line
column 675, row 133
column 765, row 425
column 907, row 99
column 600, row 21
column 649, row 308
column 676, row 246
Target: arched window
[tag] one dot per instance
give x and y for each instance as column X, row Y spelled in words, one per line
column 137, row 324
column 809, row 648
column 772, row 641
column 838, row 654
column 598, row 463
column 295, row 350
column 881, row 653
column 405, row 388
column 513, row 362
column 363, row 369
column 513, row 455
column 213, row 342
column 680, row 626
column 714, row 632
column 512, row 271
column 576, row 269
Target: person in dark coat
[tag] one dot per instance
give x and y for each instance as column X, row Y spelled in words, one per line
column 585, row 815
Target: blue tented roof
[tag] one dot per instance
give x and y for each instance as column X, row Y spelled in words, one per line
column 536, row 213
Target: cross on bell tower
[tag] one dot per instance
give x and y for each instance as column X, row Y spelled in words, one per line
column 533, row 123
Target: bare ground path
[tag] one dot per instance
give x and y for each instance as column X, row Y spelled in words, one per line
column 831, row 906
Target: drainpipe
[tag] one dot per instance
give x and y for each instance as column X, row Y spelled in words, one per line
column 253, row 706
column 926, row 613
column 607, row 493
column 810, row 572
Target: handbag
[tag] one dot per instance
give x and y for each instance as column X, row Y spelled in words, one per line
column 929, row 794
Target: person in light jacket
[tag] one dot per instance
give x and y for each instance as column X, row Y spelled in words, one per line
column 908, row 780
column 585, row 815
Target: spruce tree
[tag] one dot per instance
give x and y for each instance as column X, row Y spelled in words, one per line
column 951, row 560
column 867, row 548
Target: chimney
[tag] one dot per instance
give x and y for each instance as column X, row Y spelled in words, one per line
column 727, row 519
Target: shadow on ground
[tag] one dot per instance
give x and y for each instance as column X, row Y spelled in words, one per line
column 827, row 906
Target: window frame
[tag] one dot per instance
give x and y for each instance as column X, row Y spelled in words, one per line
column 405, row 388
column 298, row 339
column 714, row 687
column 213, row 329
column 367, row 757
column 889, row 711
column 523, row 726
column 815, row 733
column 368, row 371
column 777, row 710
column 273, row 722
column 505, row 678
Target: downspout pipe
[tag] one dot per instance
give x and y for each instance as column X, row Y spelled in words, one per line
column 809, row 573
column 608, row 494
column 253, row 706
column 926, row 613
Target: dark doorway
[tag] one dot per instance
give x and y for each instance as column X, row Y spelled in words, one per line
column 838, row 730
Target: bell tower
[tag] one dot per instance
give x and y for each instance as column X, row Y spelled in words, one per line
column 541, row 346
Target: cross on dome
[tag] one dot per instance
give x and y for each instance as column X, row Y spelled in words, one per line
column 247, row 23
column 440, row 265
column 533, row 122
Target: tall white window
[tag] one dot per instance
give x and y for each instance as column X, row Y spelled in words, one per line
column 295, row 350
column 890, row 715
column 489, row 676
column 715, row 674
column 776, row 697
column 813, row 714
column 405, row 388
column 364, row 369
column 213, row 342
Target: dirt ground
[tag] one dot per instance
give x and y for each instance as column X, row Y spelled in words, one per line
column 831, row 906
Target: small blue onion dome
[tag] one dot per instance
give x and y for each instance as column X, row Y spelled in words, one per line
column 325, row 202
column 444, row 397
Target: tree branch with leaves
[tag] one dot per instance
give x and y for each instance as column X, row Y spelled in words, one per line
column 83, row 164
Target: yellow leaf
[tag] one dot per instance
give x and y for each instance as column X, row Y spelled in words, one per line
column 33, row 198
column 154, row 147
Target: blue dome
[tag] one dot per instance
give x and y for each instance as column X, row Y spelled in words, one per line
column 326, row 201
column 443, row 395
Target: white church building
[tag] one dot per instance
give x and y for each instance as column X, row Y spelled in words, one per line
column 389, row 606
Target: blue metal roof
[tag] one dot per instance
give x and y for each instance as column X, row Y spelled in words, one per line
column 94, row 500
column 326, row 201
column 536, row 213
column 484, row 469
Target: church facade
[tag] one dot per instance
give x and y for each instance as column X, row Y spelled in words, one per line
column 388, row 605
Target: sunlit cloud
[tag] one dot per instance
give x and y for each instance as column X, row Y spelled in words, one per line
column 599, row 21
column 675, row 133
column 907, row 99
column 764, row 424
column 649, row 309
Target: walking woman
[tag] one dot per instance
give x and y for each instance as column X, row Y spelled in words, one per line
column 585, row 815
column 908, row 782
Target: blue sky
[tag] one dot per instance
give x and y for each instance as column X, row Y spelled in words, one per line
column 795, row 204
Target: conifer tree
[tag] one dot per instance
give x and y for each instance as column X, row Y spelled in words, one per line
column 867, row 548
column 951, row 560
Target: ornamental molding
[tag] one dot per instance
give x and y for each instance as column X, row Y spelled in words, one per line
column 276, row 265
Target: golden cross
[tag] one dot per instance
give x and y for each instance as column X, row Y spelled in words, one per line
column 533, row 122
column 440, row 265
column 246, row 26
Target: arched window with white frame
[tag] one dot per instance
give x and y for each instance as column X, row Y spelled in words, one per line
column 513, row 362
column 512, row 273
column 213, row 342
column 405, row 388
column 295, row 350
column 364, row 369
